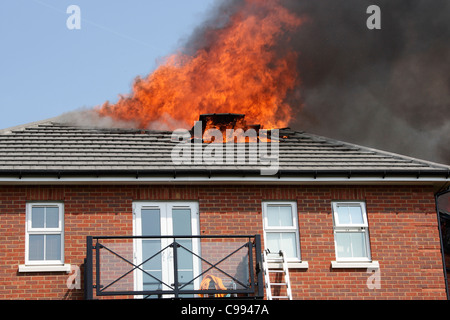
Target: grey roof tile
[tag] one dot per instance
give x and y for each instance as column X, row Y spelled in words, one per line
column 55, row 146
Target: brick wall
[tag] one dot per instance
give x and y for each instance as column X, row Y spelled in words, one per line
column 402, row 224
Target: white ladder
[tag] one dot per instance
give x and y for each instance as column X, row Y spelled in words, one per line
column 284, row 271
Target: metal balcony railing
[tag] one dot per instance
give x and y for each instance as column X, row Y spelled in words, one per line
column 174, row 267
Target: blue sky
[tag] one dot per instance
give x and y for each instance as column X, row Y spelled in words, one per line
column 47, row 69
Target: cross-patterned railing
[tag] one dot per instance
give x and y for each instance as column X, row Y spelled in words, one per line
column 174, row 267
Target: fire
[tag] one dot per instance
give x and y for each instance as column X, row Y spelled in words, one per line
column 238, row 72
column 228, row 127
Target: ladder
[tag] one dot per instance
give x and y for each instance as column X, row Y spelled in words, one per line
column 284, row 272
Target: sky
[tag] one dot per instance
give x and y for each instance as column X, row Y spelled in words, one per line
column 46, row 69
column 388, row 89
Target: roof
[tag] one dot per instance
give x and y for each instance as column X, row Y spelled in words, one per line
column 49, row 148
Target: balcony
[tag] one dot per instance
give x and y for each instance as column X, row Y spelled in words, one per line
column 174, row 267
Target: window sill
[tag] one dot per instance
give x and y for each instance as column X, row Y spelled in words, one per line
column 355, row 264
column 291, row 265
column 45, row 268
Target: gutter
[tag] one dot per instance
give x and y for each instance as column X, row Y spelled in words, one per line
column 236, row 175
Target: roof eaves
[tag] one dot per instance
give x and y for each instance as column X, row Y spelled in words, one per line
column 205, row 172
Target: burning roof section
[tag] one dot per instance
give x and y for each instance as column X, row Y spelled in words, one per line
column 52, row 148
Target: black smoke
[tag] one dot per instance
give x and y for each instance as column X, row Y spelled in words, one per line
column 387, row 88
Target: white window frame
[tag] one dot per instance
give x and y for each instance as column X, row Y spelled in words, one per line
column 29, row 230
column 166, row 221
column 347, row 228
column 280, row 229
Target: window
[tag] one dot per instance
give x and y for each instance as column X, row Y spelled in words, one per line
column 44, row 234
column 351, row 232
column 281, row 229
column 166, row 219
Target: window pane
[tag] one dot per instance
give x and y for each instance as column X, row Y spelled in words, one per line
column 149, row 281
column 53, row 247
column 52, row 217
column 359, row 245
column 181, row 220
column 184, row 277
column 37, row 217
column 351, row 245
column 149, row 249
column 285, row 241
column 343, row 245
column 272, row 216
column 288, row 244
column 36, row 247
column 185, row 257
column 150, row 220
column 279, row 216
column 356, row 214
column 286, row 216
column 349, row 214
column 343, row 216
column 273, row 242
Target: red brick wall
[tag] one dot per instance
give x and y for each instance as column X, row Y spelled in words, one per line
column 402, row 224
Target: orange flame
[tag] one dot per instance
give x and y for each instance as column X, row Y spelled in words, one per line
column 217, row 125
column 240, row 72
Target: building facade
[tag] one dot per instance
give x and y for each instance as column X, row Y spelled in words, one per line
column 364, row 233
